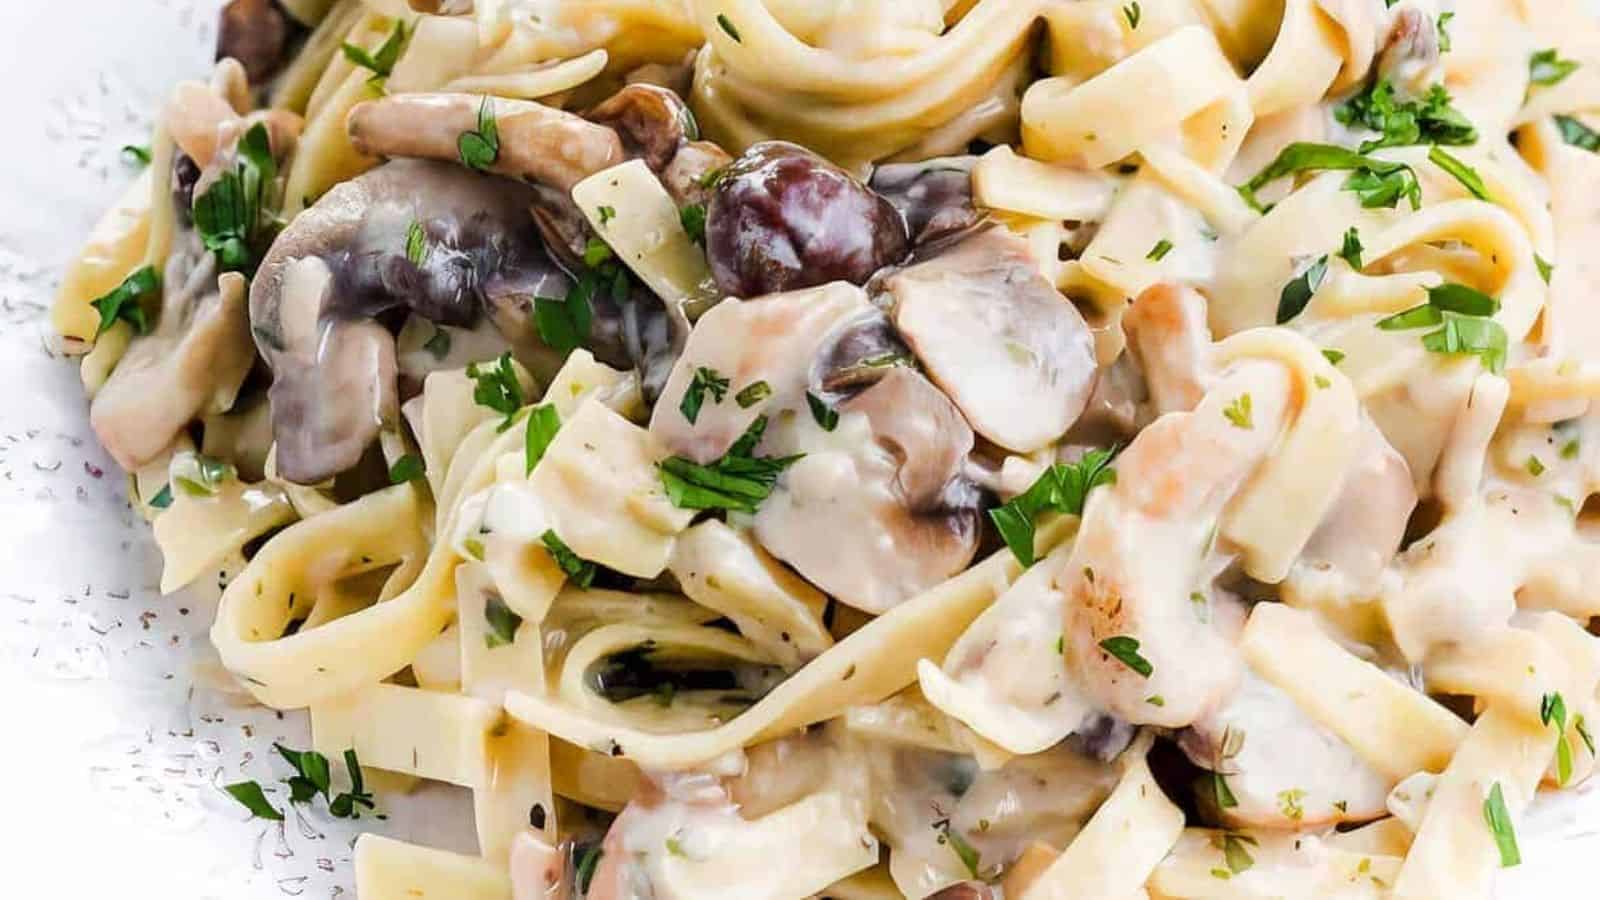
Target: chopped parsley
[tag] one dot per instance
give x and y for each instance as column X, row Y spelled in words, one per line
column 1063, row 488
column 579, row 570
column 1402, row 123
column 406, row 468
column 1221, row 792
column 1498, row 818
column 1578, row 134
column 587, row 857
column 738, row 481
column 606, row 213
column 497, row 388
column 1234, row 854
column 1463, row 316
column 138, row 153
column 416, row 244
column 597, row 253
column 1467, row 175
column 1350, row 251
column 1553, row 710
column 474, row 548
column 1291, row 803
column 481, row 149
column 693, row 219
column 1133, row 14
column 705, row 381
column 1443, row 28
column 502, row 621
column 827, row 417
column 251, row 797
column 204, row 477
column 230, row 216
column 1544, row 267
column 1333, row 356
column 124, row 302
column 713, row 177
column 163, row 498
column 964, row 851
column 1569, row 450
column 1534, row 466
column 1582, row 728
column 379, row 62
column 344, row 805
column 312, row 774
column 752, row 394
column 543, row 424
column 1238, row 412
column 1546, row 68
column 1159, row 251
column 1377, row 182
column 1126, row 650
column 1156, row 700
column 726, row 24
column 1298, row 292
column 564, row 323
column 439, row 344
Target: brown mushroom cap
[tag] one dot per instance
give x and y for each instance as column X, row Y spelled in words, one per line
column 1011, row 351
column 344, row 262
column 934, row 196
column 257, row 33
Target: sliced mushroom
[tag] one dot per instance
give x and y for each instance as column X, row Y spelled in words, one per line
column 192, row 364
column 345, row 261
column 889, row 513
column 1280, row 768
column 537, row 142
column 1410, row 49
column 652, row 122
column 1011, row 351
column 686, row 176
column 934, row 196
column 258, row 34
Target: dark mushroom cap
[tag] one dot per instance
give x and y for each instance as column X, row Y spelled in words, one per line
column 257, row 33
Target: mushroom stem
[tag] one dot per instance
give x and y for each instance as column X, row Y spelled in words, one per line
column 536, row 142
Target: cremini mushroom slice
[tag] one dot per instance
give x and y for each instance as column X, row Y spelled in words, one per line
column 1011, row 351
column 934, row 196
column 878, row 510
column 536, row 142
column 191, row 365
column 651, row 121
column 257, row 33
column 446, row 243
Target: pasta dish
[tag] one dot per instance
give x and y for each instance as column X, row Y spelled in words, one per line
column 864, row 449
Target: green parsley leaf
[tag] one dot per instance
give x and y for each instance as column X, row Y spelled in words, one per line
column 1553, row 710
column 1159, row 251
column 1498, row 819
column 606, row 213
column 1126, row 650
column 1063, row 488
column 705, row 381
column 497, row 388
column 1333, row 356
column 1290, row 803
column 752, row 394
column 544, row 421
column 381, row 61
column 713, row 177
column 1443, row 27
column 1221, row 792
column 580, row 570
column 416, row 244
column 1582, row 728
column 125, row 301
column 1238, row 412
column 1463, row 314
column 250, row 795
column 502, row 622
column 1234, row 853
column 1467, row 175
column 674, row 846
column 230, row 216
column 1569, row 450
column 964, row 851
column 474, row 548
column 406, row 468
column 1458, row 298
column 1377, row 182
column 1534, row 467
column 203, row 477
column 138, row 153
column 1578, row 134
column 1483, row 338
column 481, row 149
column 693, row 219
column 564, row 324
column 439, row 344
column 727, row 26
column 163, row 497
column 1544, row 267
column 1401, row 123
column 309, row 766
column 1298, row 292
column 597, row 253
column 1156, row 700
column 1351, row 251
column 1133, row 14
column 738, row 481
column 827, row 417
column 1545, row 68
column 588, row 858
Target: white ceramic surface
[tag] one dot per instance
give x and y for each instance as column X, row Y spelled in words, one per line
column 111, row 754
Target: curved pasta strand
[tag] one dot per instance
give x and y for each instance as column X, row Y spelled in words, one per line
column 1185, row 86
column 1303, row 62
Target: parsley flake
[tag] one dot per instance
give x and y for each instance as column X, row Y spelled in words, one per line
column 231, row 216
column 1133, row 14
column 1467, row 175
column 1402, row 123
column 544, row 422
column 251, row 797
column 1300, row 289
column 1159, row 251
column 827, row 417
column 1126, row 650
column 502, row 621
column 1377, row 182
column 481, row 149
column 1546, row 68
column 580, row 570
column 497, row 388
column 1351, row 249
column 726, row 24
column 416, row 244
column 406, row 468
column 1498, row 818
column 1238, row 412
column 124, row 302
column 1062, row 488
column 1578, row 134
column 705, row 381
column 738, row 481
column 752, row 394
column 693, row 219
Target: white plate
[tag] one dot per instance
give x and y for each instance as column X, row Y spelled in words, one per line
column 110, row 755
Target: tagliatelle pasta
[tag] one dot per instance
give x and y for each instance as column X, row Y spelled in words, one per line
column 858, row 449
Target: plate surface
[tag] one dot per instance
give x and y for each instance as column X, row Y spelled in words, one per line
column 115, row 739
